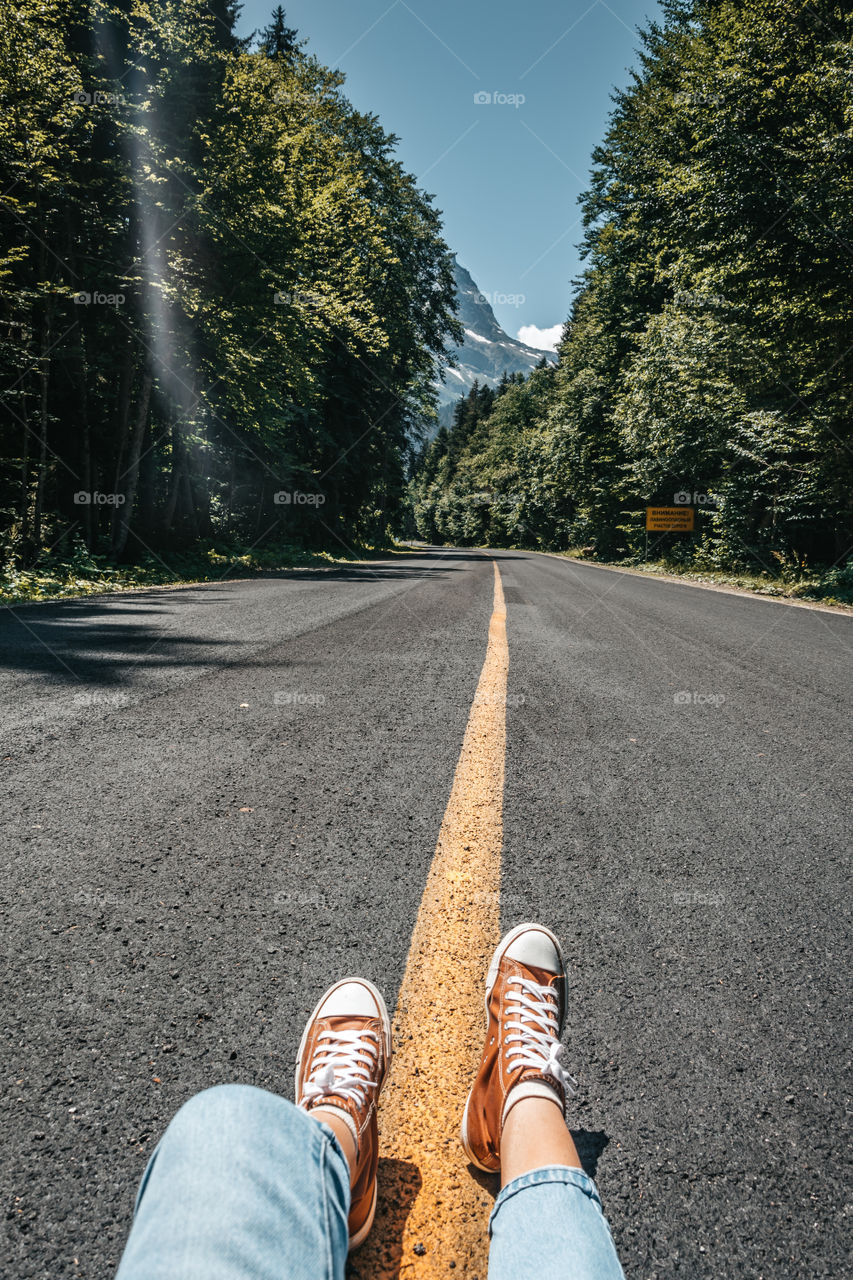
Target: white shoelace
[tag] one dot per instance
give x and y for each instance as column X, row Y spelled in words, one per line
column 535, row 1019
column 342, row 1066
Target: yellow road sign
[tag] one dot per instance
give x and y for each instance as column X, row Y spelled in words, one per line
column 670, row 519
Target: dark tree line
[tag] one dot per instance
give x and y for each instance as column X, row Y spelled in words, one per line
column 222, row 296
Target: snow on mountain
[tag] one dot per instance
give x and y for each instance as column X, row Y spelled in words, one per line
column 487, row 350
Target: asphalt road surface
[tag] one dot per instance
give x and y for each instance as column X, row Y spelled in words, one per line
column 217, row 800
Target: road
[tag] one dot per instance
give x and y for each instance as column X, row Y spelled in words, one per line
column 218, row 799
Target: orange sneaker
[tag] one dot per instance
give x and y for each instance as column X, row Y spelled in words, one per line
column 522, row 1058
column 341, row 1067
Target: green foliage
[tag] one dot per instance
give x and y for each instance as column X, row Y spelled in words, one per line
column 277, row 287
column 710, row 346
column 475, row 482
column 84, row 573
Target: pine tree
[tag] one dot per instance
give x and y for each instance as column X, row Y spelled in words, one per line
column 278, row 40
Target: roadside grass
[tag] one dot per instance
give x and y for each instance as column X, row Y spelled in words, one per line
column 84, row 573
column 828, row 586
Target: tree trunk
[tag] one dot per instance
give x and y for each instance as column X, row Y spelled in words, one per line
column 125, row 511
column 231, row 490
column 121, row 434
column 188, row 517
column 25, row 480
column 172, row 500
column 204, row 520
column 147, row 482
column 86, row 447
column 44, row 381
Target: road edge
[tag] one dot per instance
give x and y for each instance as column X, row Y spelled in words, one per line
column 842, row 610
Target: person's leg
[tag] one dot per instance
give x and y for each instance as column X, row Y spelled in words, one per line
column 341, row 1066
column 243, row 1186
column 247, row 1186
column 535, row 1134
column 547, row 1223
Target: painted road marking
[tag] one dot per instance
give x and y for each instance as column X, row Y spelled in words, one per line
column 428, row 1198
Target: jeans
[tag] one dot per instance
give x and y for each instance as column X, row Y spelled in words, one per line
column 246, row 1186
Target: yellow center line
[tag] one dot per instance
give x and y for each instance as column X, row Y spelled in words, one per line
column 432, row 1210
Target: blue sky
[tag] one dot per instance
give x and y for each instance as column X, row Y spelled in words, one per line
column 506, row 172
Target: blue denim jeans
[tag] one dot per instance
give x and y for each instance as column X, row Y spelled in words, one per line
column 245, row 1186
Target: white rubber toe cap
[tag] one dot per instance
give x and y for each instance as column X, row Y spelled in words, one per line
column 350, row 999
column 534, row 947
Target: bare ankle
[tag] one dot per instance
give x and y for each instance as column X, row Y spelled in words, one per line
column 342, row 1131
column 535, row 1135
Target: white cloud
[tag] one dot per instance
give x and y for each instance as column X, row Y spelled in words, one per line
column 542, row 339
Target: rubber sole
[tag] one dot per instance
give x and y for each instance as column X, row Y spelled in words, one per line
column 361, row 1235
column 506, row 941
column 356, row 1241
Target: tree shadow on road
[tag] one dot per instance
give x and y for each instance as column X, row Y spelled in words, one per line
column 101, row 640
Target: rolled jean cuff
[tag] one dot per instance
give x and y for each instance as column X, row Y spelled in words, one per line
column 549, row 1174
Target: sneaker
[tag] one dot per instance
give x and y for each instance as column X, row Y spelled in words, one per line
column 343, row 1059
column 522, row 1058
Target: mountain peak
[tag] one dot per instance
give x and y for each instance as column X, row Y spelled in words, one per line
column 487, row 351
